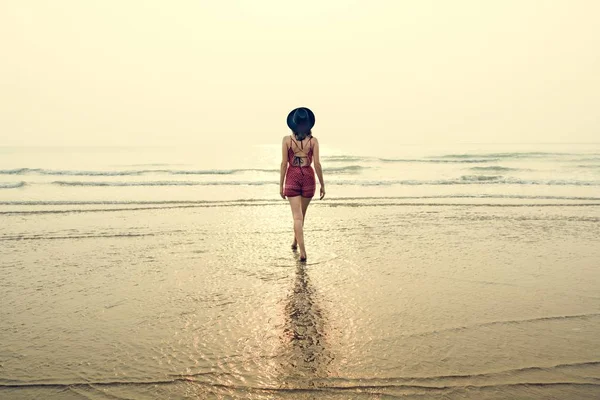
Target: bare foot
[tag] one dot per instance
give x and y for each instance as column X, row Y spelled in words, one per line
column 294, row 244
column 302, row 256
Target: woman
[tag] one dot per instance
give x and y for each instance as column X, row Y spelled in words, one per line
column 297, row 152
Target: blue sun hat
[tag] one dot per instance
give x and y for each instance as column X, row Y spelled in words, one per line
column 301, row 120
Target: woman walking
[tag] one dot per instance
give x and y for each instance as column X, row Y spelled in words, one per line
column 298, row 151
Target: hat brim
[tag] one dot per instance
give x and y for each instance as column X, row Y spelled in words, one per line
column 301, row 128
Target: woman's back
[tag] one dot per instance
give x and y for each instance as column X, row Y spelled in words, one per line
column 300, row 151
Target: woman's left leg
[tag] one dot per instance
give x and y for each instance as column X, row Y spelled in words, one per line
column 296, row 205
column 305, row 202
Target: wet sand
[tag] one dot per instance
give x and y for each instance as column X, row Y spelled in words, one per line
column 396, row 301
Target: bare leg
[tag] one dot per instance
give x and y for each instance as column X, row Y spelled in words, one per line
column 305, row 202
column 296, row 205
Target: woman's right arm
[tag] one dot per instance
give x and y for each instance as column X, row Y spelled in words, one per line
column 318, row 169
column 283, row 167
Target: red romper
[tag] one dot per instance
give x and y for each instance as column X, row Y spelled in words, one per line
column 300, row 176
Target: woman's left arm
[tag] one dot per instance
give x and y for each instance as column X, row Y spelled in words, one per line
column 318, row 169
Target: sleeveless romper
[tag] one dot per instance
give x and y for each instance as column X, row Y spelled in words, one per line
column 300, row 176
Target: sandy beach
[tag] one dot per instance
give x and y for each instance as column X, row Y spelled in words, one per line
column 399, row 301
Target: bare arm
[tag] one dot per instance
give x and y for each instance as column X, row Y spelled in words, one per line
column 283, row 167
column 318, row 169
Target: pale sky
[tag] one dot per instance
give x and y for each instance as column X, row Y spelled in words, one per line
column 156, row 72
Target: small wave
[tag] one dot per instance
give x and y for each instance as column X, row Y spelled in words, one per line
column 590, row 166
column 470, row 180
column 587, row 159
column 350, row 169
column 18, row 171
column 438, row 161
column 328, row 388
column 276, row 201
column 12, row 185
column 464, row 180
column 70, row 237
column 552, row 182
column 219, row 171
column 506, row 322
column 329, row 203
column 495, row 168
column 164, row 183
column 90, row 173
column 94, row 210
column 121, row 202
column 51, row 172
column 531, row 154
column 403, row 160
column 469, row 157
column 347, row 158
column 41, row 171
column 468, row 196
column 480, row 178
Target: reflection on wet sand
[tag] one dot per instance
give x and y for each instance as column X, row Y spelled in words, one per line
column 304, row 336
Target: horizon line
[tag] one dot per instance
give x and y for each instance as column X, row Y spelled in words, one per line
column 272, row 144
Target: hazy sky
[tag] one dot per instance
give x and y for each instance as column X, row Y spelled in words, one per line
column 154, row 72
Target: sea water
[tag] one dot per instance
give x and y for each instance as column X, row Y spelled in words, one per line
column 452, row 272
column 158, row 176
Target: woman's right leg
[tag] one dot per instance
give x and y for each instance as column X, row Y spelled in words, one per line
column 296, row 205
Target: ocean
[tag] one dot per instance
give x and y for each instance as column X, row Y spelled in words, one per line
column 73, row 178
column 456, row 271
